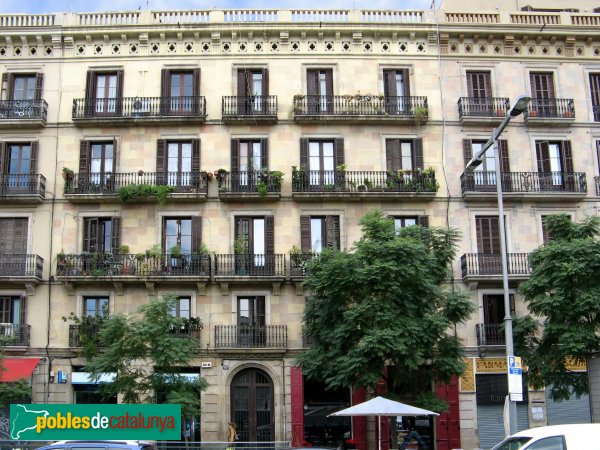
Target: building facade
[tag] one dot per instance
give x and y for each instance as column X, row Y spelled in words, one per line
column 134, row 142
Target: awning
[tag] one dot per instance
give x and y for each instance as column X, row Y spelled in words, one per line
column 17, row 368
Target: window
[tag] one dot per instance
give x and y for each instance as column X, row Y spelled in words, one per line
column 177, row 162
column 542, row 89
column 485, row 174
column 251, row 320
column 248, row 157
column 404, row 154
column 488, row 235
column 18, row 163
column 252, row 90
column 180, row 87
column 95, row 306
column 479, row 91
column 96, row 165
column 178, row 234
column 319, row 232
column 319, row 89
column 595, row 94
column 13, row 237
column 101, row 234
column 104, row 93
column 12, row 311
column 396, row 89
column 182, row 307
column 22, row 87
column 555, row 165
column 407, row 221
column 321, row 158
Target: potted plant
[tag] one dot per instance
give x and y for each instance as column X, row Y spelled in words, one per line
column 123, row 252
column 240, row 249
column 421, row 114
column 297, row 261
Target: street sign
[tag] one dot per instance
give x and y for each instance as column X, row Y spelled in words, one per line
column 515, row 378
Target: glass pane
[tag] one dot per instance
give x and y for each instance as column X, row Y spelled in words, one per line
column 89, row 306
column 175, row 85
column 259, row 242
column 107, row 236
column 184, row 307
column 103, row 306
column 16, row 319
column 316, row 237
column 186, row 227
column 313, row 154
column 406, row 152
column 551, row 443
column 244, row 311
column 188, row 85
column 100, row 86
column 256, row 156
column 555, row 164
column 186, row 157
column 328, row 163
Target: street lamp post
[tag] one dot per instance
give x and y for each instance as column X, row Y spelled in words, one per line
column 516, row 110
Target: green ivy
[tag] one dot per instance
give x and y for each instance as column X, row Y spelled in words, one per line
column 261, row 188
column 134, row 191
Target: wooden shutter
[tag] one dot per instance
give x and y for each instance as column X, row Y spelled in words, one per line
column 545, row 235
column 196, row 233
column 304, row 153
column 595, row 88
column 34, row 158
column 542, row 84
column 23, row 310
column 328, row 83
column 389, row 83
column 196, row 82
column 242, row 83
column 265, row 82
column 84, row 155
column 235, row 155
column 479, row 84
column 195, row 155
column 305, row 242
column 543, row 156
column 39, row 85
column 423, row 221
column 467, row 150
column 312, row 82
column 115, row 158
column 10, row 86
column 161, row 156
column 4, row 87
column 392, row 154
column 488, row 234
column 20, row 237
column 406, row 82
column 269, row 235
column 90, row 85
column 503, row 154
column 90, row 231
column 116, row 235
column 417, row 153
column 567, row 157
column 264, row 153
column 3, row 153
column 165, row 83
column 338, row 148
column 332, row 232
column 120, row 74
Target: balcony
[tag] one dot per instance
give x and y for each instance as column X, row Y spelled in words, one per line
column 251, row 337
column 250, row 186
column 315, row 185
column 134, row 186
column 138, row 110
column 21, row 268
column 22, row 188
column 353, row 108
column 550, row 111
column 298, row 263
column 247, row 267
column 132, row 268
column 23, row 113
column 489, row 334
column 15, row 335
column 483, row 111
column 551, row 186
column 249, row 109
column 477, row 267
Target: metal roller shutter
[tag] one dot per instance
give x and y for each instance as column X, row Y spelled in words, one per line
column 574, row 410
column 490, row 422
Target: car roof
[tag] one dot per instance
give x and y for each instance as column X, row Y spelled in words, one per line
column 554, row 430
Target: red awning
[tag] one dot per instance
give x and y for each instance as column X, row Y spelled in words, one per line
column 17, row 368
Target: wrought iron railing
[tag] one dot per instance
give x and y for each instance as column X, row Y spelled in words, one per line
column 21, row 265
column 596, row 111
column 130, row 265
column 78, row 334
column 491, row 264
column 109, row 183
column 363, row 181
column 250, row 265
column 360, row 105
column 522, row 182
column 550, row 108
column 253, row 105
column 260, row 182
column 483, row 107
column 250, row 336
column 23, row 110
column 490, row 334
column 298, row 263
column 22, row 184
column 139, row 107
column 15, row 335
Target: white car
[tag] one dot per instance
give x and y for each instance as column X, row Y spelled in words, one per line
column 556, row 437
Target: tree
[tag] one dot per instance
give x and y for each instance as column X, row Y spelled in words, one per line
column 145, row 353
column 384, row 305
column 564, row 291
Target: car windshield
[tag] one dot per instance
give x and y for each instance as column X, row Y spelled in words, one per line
column 513, row 443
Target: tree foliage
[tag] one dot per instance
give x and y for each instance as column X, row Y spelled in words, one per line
column 12, row 391
column 384, row 304
column 563, row 290
column 145, row 354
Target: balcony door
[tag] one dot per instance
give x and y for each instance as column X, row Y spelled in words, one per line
column 178, row 163
column 319, row 89
column 248, row 158
column 542, row 88
column 253, row 86
column 251, row 321
column 321, row 158
column 18, row 163
column 97, row 162
column 595, row 94
column 180, row 89
column 254, row 245
column 101, row 235
column 13, row 246
column 13, row 323
column 396, row 91
column 484, row 175
column 252, row 406
column 104, row 93
column 488, row 245
column 493, row 317
column 319, row 232
column 479, row 87
column 555, row 166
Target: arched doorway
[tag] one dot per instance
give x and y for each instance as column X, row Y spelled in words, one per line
column 252, row 406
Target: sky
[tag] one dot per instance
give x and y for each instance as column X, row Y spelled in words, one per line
column 46, row 6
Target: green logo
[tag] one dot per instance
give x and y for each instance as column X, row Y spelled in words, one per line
column 42, row 422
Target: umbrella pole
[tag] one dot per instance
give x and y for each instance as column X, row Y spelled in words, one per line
column 379, row 432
